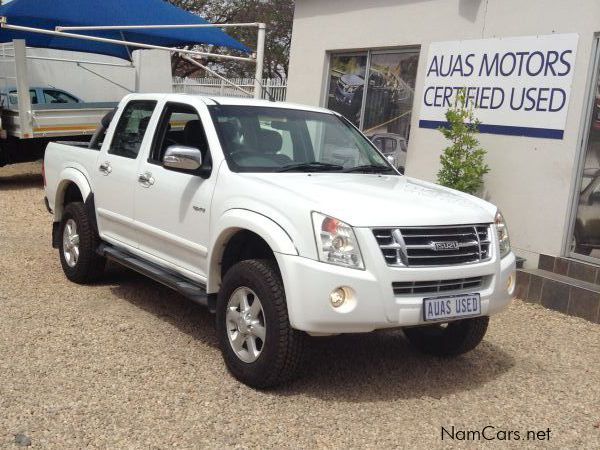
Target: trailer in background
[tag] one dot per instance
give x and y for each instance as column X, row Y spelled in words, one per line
column 27, row 128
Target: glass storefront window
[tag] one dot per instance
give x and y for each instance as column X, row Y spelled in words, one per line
column 347, row 84
column 375, row 91
column 585, row 240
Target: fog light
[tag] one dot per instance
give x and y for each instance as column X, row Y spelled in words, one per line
column 337, row 297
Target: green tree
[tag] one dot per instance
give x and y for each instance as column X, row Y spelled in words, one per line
column 463, row 162
column 277, row 14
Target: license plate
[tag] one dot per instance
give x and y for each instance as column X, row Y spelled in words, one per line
column 451, row 306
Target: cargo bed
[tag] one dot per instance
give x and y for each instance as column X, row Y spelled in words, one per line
column 56, row 120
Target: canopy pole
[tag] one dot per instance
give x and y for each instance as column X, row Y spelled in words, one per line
column 119, row 42
column 25, row 116
column 107, row 79
column 202, row 66
column 97, row 63
column 260, row 56
column 156, row 27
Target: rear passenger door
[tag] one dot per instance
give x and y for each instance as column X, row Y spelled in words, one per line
column 117, row 173
column 173, row 207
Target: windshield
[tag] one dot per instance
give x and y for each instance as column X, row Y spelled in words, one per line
column 264, row 139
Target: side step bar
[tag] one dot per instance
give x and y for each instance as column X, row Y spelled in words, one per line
column 191, row 290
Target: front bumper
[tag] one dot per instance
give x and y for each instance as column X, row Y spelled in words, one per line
column 373, row 304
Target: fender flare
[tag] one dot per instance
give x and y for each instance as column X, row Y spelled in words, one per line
column 67, row 176
column 234, row 220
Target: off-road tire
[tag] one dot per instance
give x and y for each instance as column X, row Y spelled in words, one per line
column 454, row 339
column 89, row 266
column 282, row 355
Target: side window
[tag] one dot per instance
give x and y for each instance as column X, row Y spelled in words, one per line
column 52, row 96
column 33, row 96
column 179, row 125
column 14, row 99
column 390, row 145
column 379, row 143
column 131, row 128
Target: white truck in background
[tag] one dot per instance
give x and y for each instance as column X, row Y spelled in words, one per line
column 285, row 220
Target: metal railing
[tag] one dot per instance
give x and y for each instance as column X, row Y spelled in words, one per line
column 218, row 87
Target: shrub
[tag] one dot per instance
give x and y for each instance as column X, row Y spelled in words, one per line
column 463, row 162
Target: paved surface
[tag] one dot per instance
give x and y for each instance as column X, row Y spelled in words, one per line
column 129, row 364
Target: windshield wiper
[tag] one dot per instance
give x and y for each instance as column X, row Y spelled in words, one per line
column 370, row 168
column 313, row 166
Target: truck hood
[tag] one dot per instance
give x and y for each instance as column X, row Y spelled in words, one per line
column 370, row 200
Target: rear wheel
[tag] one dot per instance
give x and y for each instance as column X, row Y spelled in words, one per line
column 451, row 339
column 258, row 344
column 78, row 245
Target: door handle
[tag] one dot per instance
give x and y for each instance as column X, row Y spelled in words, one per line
column 105, row 168
column 146, row 179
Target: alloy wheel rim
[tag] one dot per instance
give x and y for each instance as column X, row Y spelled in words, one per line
column 71, row 243
column 246, row 326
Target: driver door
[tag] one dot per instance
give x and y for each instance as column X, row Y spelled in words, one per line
column 173, row 207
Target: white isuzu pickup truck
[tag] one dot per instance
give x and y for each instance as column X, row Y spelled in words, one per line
column 284, row 220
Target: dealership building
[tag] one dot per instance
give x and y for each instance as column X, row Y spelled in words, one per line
column 531, row 68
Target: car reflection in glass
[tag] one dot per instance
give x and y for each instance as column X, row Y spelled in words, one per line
column 350, row 87
column 393, row 146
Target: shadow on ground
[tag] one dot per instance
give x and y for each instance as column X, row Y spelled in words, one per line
column 382, row 366
column 350, row 368
column 159, row 300
column 20, row 181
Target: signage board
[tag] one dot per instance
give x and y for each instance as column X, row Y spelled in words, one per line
column 518, row 85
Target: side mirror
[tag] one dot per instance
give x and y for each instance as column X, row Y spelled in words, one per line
column 391, row 159
column 180, row 157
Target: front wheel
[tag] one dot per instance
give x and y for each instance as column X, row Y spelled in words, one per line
column 257, row 342
column 451, row 339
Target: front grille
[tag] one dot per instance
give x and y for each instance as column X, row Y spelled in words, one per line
column 434, row 246
column 436, row 286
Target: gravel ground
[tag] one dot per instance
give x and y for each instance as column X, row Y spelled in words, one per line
column 129, row 364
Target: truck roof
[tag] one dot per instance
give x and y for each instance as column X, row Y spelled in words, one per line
column 235, row 101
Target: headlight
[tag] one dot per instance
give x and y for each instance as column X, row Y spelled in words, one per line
column 336, row 242
column 503, row 239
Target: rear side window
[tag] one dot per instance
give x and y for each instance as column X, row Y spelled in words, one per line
column 131, row 128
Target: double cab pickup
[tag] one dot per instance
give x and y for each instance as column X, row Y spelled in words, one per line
column 282, row 219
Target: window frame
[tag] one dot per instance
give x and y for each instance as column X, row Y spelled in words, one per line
column 160, row 134
column 121, row 115
column 577, row 174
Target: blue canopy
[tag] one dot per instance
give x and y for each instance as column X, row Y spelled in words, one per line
column 51, row 13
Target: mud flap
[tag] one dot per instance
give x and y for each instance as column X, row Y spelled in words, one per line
column 55, row 234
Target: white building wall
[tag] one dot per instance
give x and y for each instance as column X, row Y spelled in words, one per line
column 530, row 179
